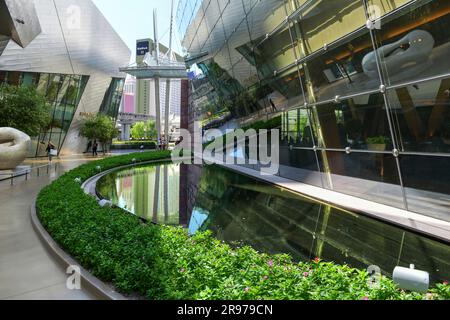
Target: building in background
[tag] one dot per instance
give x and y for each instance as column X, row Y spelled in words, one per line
column 69, row 51
column 145, row 89
column 129, row 95
column 363, row 111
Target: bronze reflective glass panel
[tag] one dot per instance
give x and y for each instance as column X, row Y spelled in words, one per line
column 339, row 70
column 324, row 21
column 413, row 43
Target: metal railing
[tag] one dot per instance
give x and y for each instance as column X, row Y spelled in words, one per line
column 28, row 172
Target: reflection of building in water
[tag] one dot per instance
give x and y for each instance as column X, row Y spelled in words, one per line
column 364, row 112
column 239, row 209
column 151, row 192
column 189, row 179
column 126, row 194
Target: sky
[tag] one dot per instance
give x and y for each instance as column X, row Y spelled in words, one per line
column 133, row 19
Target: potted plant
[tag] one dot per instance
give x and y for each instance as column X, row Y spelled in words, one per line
column 377, row 143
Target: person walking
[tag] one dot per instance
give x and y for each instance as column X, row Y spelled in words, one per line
column 95, row 149
column 89, row 146
column 50, row 151
column 274, row 108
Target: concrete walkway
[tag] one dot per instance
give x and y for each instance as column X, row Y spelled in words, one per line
column 27, row 271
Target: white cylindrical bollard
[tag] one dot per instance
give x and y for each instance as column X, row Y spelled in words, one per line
column 105, row 203
column 411, row 279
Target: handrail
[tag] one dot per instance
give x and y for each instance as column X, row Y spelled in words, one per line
column 27, row 171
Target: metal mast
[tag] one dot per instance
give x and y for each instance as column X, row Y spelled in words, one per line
column 157, row 92
column 168, row 89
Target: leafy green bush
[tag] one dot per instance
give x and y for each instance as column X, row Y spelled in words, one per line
column 134, row 145
column 269, row 124
column 144, row 130
column 378, row 140
column 258, row 125
column 138, row 142
column 99, row 127
column 162, row 262
column 23, row 108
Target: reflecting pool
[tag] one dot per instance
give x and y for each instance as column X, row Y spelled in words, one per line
column 241, row 210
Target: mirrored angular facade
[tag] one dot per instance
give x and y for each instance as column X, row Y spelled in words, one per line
column 71, row 54
column 362, row 88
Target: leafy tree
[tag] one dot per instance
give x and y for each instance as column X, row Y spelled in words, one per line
column 144, row 130
column 101, row 128
column 23, row 108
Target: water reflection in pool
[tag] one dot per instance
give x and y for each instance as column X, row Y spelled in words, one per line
column 240, row 209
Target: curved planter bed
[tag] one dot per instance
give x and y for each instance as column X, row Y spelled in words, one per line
column 88, row 281
column 92, row 284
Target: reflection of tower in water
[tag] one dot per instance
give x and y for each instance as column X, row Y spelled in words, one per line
column 155, row 193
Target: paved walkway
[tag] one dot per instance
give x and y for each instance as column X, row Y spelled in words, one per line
column 27, row 271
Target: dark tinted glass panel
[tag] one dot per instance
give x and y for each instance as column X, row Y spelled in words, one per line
column 360, row 123
column 421, row 114
column 283, row 90
column 296, row 129
column 369, row 176
column 427, row 186
column 300, row 165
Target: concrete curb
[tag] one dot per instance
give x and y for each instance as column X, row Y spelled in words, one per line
column 88, row 281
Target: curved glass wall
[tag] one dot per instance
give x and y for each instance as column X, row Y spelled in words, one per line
column 113, row 97
column 63, row 92
column 365, row 108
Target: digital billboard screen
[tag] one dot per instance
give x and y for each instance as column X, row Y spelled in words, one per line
column 142, row 48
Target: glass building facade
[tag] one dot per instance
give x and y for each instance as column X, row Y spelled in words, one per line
column 77, row 69
column 113, row 98
column 63, row 92
column 362, row 88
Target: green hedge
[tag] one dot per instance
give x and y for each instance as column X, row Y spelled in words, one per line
column 148, row 145
column 262, row 124
column 273, row 123
column 161, row 262
column 138, row 142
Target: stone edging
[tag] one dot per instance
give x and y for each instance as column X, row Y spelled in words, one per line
column 88, row 281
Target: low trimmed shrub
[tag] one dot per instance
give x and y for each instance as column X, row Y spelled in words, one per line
column 134, row 145
column 162, row 262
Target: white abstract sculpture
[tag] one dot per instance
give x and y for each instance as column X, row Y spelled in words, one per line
column 13, row 148
column 403, row 58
